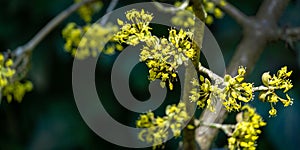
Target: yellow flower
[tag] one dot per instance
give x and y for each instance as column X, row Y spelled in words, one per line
column 211, row 11
column 83, row 42
column 86, row 11
column 184, row 19
column 247, row 130
column 17, row 90
column 236, row 90
column 159, row 121
column 272, row 111
column 9, row 63
column 137, row 30
column 218, row 13
column 7, row 72
column 209, row 20
column 1, row 58
column 156, row 131
column 279, row 81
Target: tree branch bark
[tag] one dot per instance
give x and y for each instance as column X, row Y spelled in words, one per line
column 232, row 11
column 256, row 36
column 289, row 34
column 189, row 140
column 22, row 53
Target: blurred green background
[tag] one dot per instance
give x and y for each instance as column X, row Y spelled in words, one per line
column 48, row 117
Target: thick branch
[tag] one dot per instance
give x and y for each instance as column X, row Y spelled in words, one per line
column 189, row 138
column 271, row 10
column 232, row 11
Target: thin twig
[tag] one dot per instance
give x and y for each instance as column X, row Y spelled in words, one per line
column 227, row 128
column 211, row 74
column 172, row 9
column 289, row 34
column 260, row 88
column 232, row 11
column 49, row 27
column 110, row 8
column 264, row 88
column 22, row 53
column 216, row 77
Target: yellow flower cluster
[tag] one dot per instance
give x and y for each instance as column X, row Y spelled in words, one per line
column 136, row 30
column 9, row 90
column 156, row 53
column 162, row 56
column 236, row 91
column 90, row 40
column 247, row 130
column 6, row 72
column 279, row 81
column 232, row 92
column 183, row 42
column 202, row 93
column 155, row 130
column 86, row 11
column 16, row 90
column 212, row 10
column 183, row 18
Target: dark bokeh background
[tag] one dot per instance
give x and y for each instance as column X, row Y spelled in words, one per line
column 48, row 117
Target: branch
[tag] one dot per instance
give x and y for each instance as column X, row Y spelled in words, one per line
column 110, row 8
column 172, row 9
column 227, row 128
column 235, row 13
column 260, row 88
column 256, row 37
column 22, row 53
column 211, row 74
column 264, row 88
column 189, row 137
column 289, row 34
column 271, row 10
column 49, row 27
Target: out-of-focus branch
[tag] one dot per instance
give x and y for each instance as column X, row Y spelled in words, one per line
column 289, row 34
column 232, row 11
column 22, row 53
column 172, row 9
column 48, row 28
column 271, row 10
column 110, row 8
